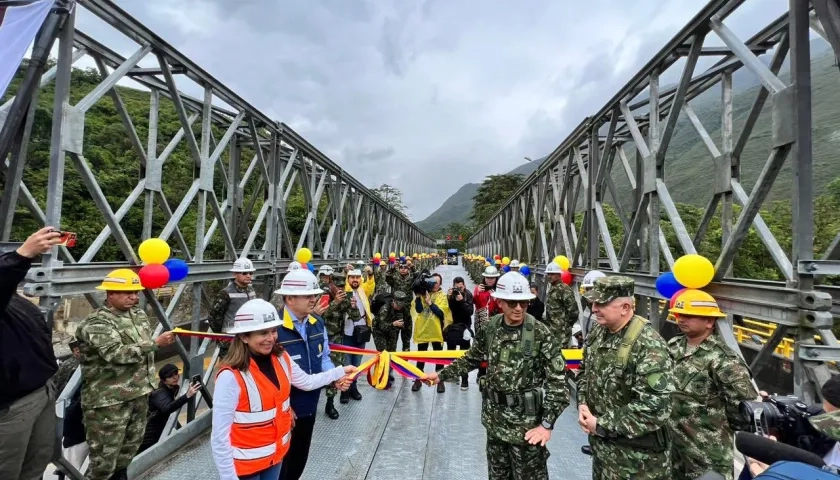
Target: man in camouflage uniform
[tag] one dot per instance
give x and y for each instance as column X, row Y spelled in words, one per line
column 525, row 387
column 388, row 324
column 230, row 298
column 561, row 309
column 334, row 320
column 402, row 281
column 118, row 373
column 625, row 383
column 67, row 367
column 379, row 277
column 711, row 382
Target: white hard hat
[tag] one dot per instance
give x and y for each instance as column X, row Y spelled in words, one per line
column 294, row 266
column 360, row 263
column 254, row 315
column 299, row 282
column 490, row 272
column 354, row 273
column 553, row 268
column 576, row 329
column 590, row 277
column 325, row 270
column 243, row 265
column 513, row 286
column 514, row 264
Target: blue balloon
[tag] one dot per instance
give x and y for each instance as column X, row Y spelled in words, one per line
column 525, row 270
column 667, row 285
column 506, row 268
column 178, row 269
column 489, row 260
column 311, row 267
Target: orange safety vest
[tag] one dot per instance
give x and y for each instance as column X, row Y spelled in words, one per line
column 262, row 422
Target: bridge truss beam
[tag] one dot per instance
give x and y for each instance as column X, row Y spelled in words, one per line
column 247, row 211
column 628, row 140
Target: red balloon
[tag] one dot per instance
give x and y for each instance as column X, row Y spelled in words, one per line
column 566, row 277
column 676, row 296
column 153, row 276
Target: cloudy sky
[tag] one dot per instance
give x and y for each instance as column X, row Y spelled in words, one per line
column 425, row 95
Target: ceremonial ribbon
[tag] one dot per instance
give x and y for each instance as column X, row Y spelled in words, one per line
column 378, row 367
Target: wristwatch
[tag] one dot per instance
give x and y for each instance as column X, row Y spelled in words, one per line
column 547, row 425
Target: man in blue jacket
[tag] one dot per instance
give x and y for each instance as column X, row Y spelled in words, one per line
column 304, row 337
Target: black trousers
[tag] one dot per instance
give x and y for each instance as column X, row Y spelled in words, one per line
column 422, row 347
column 295, row 460
column 464, row 344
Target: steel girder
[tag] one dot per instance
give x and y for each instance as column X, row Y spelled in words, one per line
column 355, row 223
column 538, row 221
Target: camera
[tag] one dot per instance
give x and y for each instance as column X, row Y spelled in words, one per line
column 424, row 283
column 787, row 417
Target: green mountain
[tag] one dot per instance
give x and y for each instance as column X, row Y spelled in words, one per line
column 458, row 207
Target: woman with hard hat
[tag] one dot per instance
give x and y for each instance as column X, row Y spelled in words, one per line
column 252, row 415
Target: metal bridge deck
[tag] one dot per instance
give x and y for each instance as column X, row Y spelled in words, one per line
column 400, row 434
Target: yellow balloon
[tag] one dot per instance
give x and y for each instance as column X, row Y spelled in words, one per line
column 693, row 271
column 377, row 255
column 304, row 255
column 562, row 261
column 154, row 251
column 506, row 261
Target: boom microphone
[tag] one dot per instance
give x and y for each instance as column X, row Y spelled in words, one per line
column 769, row 451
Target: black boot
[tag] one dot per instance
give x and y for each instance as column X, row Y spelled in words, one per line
column 416, row 386
column 330, row 409
column 586, row 450
column 345, row 398
column 354, row 392
column 464, row 383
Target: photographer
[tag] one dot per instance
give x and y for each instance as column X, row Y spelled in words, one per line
column 461, row 306
column 823, row 438
column 27, row 364
column 433, row 316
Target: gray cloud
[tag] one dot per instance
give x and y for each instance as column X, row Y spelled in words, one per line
column 427, row 95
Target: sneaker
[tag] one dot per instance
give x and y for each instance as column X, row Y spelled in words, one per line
column 465, row 384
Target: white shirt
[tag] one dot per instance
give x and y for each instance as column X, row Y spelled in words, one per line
column 349, row 325
column 225, row 399
column 832, row 458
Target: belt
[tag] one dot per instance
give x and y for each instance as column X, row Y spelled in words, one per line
column 501, row 398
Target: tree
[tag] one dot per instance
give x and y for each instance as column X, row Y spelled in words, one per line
column 392, row 196
column 492, row 194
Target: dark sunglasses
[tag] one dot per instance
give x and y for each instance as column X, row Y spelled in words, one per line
column 522, row 303
column 250, row 274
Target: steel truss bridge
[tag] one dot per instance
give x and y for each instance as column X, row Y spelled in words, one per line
column 628, row 139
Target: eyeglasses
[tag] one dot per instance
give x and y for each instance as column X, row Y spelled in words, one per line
column 521, row 303
column 249, row 274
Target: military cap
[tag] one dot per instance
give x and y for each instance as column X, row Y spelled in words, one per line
column 827, row 424
column 607, row 289
column 400, row 296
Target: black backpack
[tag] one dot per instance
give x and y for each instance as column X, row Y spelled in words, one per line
column 379, row 300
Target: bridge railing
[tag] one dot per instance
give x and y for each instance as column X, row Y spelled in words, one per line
column 607, row 181
column 241, row 169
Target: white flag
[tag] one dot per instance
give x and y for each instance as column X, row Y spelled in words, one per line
column 19, row 23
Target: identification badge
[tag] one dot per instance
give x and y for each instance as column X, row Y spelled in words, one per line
column 295, row 357
column 505, row 357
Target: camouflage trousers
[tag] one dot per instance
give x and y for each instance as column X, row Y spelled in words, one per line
column 506, row 461
column 337, row 360
column 405, row 333
column 618, row 462
column 114, row 434
column 385, row 340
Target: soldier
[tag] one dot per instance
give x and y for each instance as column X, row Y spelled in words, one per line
column 118, row 373
column 388, row 323
column 525, row 387
column 379, row 277
column 402, row 281
column 339, row 305
column 561, row 309
column 711, row 382
column 230, row 298
column 624, row 388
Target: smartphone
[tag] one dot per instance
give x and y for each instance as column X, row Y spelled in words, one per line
column 67, row 239
column 195, row 379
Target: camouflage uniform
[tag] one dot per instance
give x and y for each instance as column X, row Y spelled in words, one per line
column 381, row 283
column 828, row 424
column 227, row 302
column 511, row 374
column 385, row 334
column 561, row 312
column 118, row 373
column 65, row 371
column 711, row 381
column 334, row 320
column 632, row 404
column 403, row 283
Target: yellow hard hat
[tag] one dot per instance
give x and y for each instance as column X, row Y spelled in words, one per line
column 697, row 303
column 121, row 280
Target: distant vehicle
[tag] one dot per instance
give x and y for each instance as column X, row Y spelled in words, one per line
column 452, row 256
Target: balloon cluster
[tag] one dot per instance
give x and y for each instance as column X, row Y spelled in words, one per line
column 159, row 269
column 377, row 258
column 304, row 256
column 690, row 272
column 392, row 258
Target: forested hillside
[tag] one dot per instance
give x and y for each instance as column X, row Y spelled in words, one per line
column 117, row 167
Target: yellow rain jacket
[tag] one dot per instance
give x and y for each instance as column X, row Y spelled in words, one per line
column 370, row 286
column 427, row 327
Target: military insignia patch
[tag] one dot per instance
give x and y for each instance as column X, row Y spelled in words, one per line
column 657, row 382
